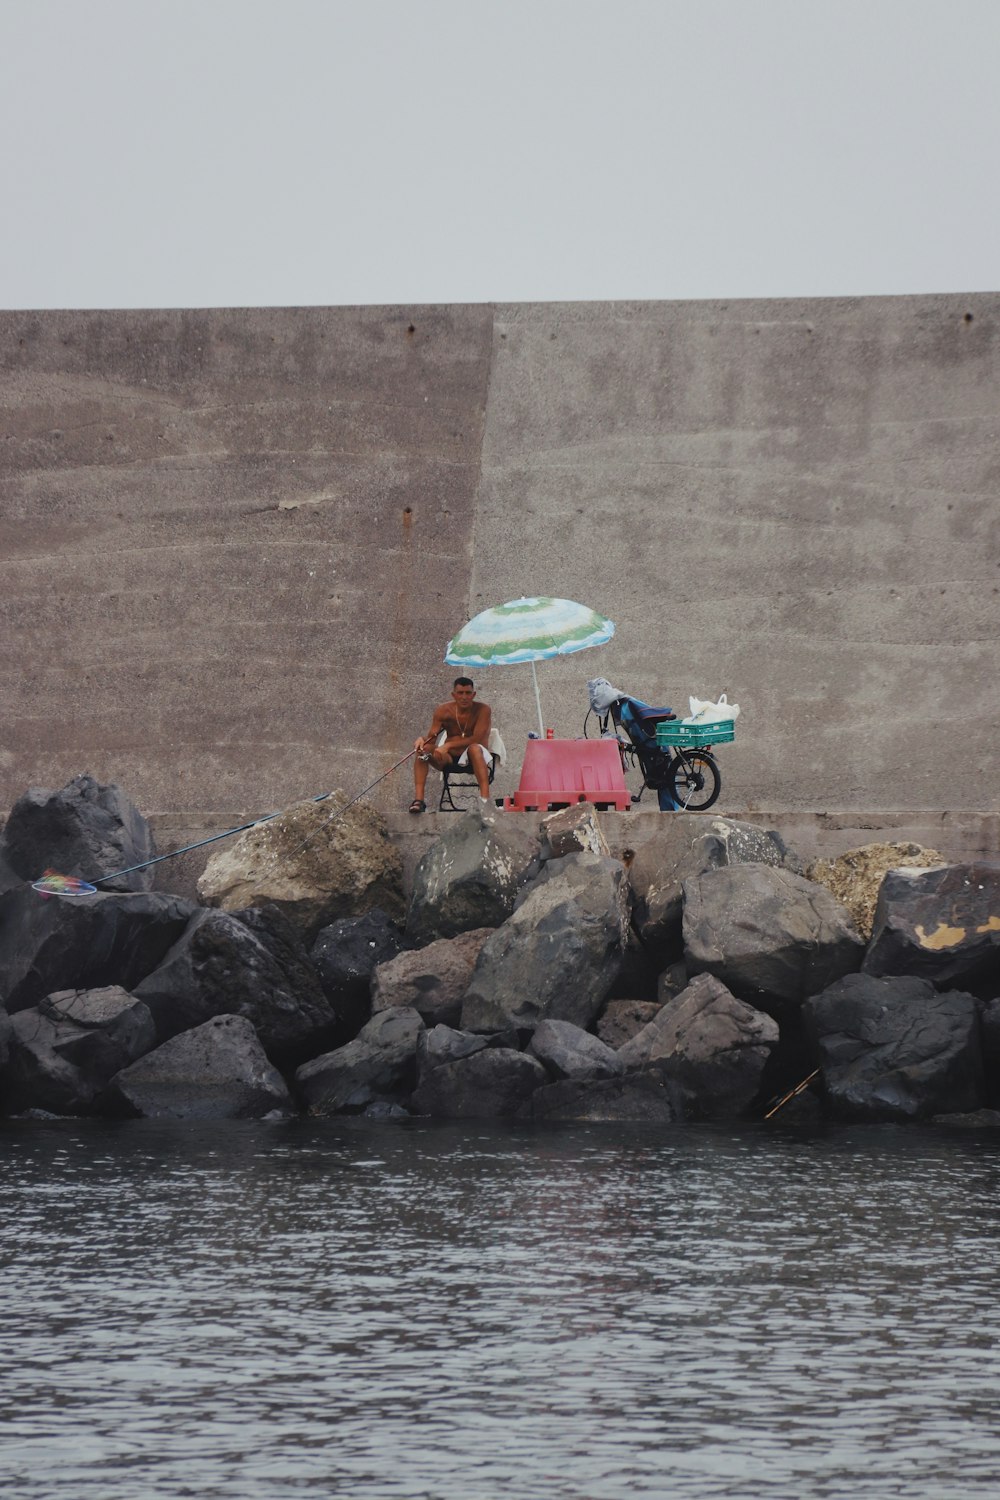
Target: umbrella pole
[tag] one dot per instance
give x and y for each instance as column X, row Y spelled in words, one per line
column 538, row 702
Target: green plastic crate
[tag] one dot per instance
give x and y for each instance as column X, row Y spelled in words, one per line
column 691, row 736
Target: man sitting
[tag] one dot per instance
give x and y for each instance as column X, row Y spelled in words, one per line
column 466, row 726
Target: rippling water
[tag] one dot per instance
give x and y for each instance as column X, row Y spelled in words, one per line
column 467, row 1311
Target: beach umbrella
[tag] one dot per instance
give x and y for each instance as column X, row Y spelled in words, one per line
column 527, row 630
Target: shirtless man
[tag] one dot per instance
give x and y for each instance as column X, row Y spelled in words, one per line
column 466, row 724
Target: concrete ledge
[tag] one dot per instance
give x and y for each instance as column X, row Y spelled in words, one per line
column 959, row 836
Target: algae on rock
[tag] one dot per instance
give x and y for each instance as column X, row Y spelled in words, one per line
column 316, row 861
column 855, row 878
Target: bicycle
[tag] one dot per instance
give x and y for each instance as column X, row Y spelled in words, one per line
column 676, row 760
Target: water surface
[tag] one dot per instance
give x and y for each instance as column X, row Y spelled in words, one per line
column 462, row 1311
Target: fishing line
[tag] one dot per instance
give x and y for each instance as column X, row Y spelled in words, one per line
column 339, row 813
column 54, row 884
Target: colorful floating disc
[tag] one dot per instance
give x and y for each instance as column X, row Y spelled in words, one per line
column 52, row 884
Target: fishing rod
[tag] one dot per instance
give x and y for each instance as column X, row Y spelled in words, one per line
column 792, row 1093
column 54, row 884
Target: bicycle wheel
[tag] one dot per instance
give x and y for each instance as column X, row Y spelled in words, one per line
column 696, row 780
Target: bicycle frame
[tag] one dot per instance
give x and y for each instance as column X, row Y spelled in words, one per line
column 677, row 775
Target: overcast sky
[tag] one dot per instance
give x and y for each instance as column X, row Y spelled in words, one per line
column 251, row 152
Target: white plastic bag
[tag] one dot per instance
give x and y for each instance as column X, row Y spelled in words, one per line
column 703, row 711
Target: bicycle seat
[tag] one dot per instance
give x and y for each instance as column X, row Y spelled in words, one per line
column 647, row 711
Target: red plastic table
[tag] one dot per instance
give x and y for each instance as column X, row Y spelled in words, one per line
column 558, row 772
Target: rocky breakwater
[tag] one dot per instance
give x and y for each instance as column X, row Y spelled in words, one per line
column 530, row 975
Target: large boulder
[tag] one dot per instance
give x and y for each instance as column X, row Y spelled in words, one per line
column 50, row 943
column 444, row 1044
column 621, row 1020
column 684, row 846
column 855, row 878
column 771, row 936
column 381, row 1060
column 558, row 955
column 572, row 830
column 493, row 1083
column 316, row 861
column 471, row 876
column 990, row 1033
column 569, row 1052
column 88, row 829
column 248, row 964
column 941, row 924
column 895, row 1048
column 65, row 1050
column 714, row 1047
column 634, row 1098
column 433, row 980
column 216, row 1071
column 672, row 982
column 346, row 955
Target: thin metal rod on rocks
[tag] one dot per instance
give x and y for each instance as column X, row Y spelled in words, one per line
column 792, row 1093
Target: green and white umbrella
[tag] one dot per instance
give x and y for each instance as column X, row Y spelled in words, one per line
column 527, row 630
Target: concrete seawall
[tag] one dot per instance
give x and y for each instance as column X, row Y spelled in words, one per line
column 233, row 544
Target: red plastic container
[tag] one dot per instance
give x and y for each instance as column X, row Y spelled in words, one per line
column 556, row 773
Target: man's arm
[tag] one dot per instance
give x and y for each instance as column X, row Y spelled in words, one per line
column 480, row 732
column 429, row 740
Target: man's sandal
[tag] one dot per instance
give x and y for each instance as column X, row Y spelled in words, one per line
column 416, row 806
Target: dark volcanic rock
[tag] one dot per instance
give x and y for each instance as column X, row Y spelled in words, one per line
column 770, row 936
column 65, row 1051
column 86, row 829
column 443, row 1044
column 941, row 924
column 802, row 1109
column 896, row 1049
column 246, row 965
column 50, row 943
column 990, row 1032
column 643, row 1098
column 712, row 1045
column 381, row 1059
column 855, row 877
column 279, row 935
column 433, row 980
column 217, row 1071
column 683, row 847
column 492, row 1084
column 623, row 1019
column 672, row 982
column 346, row 955
column 470, row 877
column 569, row 1052
column 639, row 973
column 558, row 956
